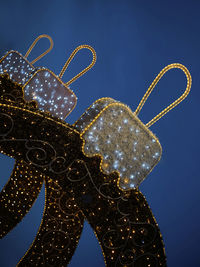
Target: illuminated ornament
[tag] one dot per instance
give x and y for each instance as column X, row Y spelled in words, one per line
column 50, row 92
column 126, row 145
column 18, row 67
column 122, row 221
column 110, row 129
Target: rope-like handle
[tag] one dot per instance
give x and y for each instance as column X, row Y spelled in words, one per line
column 35, row 42
column 70, row 59
column 152, row 86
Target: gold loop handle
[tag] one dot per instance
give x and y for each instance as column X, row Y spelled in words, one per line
column 35, row 42
column 152, row 86
column 70, row 59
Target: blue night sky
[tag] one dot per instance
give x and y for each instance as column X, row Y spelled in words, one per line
column 134, row 40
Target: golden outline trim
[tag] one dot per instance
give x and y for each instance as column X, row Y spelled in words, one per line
column 64, row 124
column 80, row 47
column 173, row 104
column 34, row 44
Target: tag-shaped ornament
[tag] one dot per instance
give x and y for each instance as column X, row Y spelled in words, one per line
column 50, row 92
column 110, row 129
column 18, row 67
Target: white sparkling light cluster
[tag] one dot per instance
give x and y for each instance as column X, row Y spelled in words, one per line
column 17, row 67
column 44, row 87
column 125, row 144
column 50, row 93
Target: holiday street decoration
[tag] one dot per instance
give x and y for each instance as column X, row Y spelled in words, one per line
column 121, row 219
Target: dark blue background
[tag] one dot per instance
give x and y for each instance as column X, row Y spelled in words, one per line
column 134, row 40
